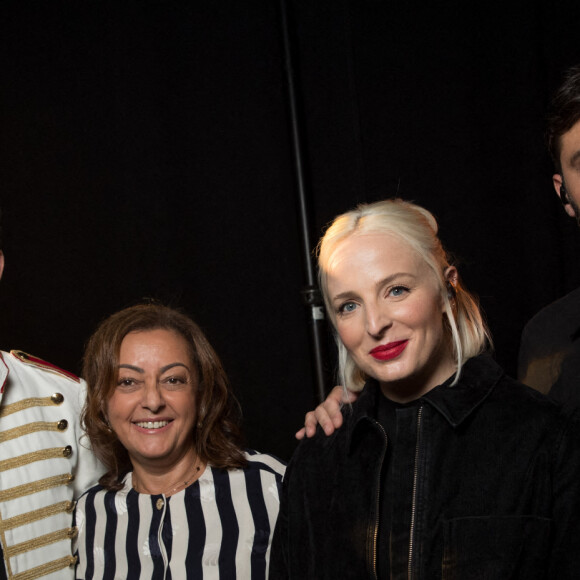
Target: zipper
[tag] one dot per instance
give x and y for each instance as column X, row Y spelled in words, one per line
column 414, row 497
column 377, row 504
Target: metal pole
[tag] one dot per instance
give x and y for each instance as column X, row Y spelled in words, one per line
column 310, row 293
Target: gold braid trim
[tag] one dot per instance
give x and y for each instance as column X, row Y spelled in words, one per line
column 33, row 516
column 27, row 429
column 45, row 540
column 27, row 404
column 35, row 486
column 52, row 453
column 45, row 569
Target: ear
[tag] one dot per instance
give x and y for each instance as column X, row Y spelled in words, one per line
column 451, row 276
column 1, row 263
column 558, row 183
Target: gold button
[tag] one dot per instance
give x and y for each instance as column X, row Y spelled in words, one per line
column 67, row 451
column 72, row 562
column 71, row 478
column 159, row 504
column 57, row 398
column 70, row 506
column 62, row 425
column 72, row 532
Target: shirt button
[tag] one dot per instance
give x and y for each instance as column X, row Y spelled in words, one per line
column 67, row 451
column 57, row 398
column 62, row 425
column 159, row 504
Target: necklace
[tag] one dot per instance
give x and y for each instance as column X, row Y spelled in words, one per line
column 174, row 487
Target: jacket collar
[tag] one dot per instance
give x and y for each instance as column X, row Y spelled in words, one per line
column 479, row 375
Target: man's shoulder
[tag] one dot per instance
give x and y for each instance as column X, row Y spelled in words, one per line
column 561, row 314
column 24, row 376
column 24, row 362
column 33, row 373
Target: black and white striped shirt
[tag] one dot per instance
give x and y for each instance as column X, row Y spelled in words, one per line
column 220, row 527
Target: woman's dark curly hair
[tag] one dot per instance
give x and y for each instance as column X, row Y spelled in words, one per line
column 218, row 439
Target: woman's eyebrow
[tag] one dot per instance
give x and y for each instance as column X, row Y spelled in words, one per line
column 175, row 364
column 393, row 277
column 132, row 368
column 162, row 369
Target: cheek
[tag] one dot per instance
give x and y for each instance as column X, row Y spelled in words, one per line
column 184, row 403
column 433, row 325
column 117, row 408
column 349, row 332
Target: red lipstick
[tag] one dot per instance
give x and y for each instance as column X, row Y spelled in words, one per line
column 389, row 351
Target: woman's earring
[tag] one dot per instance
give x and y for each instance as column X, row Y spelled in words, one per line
column 451, row 292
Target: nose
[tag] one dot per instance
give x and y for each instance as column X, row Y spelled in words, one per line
column 153, row 397
column 378, row 320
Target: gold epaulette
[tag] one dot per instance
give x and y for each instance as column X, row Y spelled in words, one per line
column 42, row 364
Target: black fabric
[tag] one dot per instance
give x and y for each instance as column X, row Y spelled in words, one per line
column 549, row 358
column 386, row 416
column 2, row 565
column 492, row 465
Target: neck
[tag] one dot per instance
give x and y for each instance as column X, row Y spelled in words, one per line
column 154, row 479
column 415, row 387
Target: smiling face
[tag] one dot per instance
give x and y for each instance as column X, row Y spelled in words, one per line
column 389, row 314
column 152, row 407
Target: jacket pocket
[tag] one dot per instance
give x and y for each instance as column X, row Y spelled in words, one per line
column 496, row 547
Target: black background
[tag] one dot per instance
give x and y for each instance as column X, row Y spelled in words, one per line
column 145, row 151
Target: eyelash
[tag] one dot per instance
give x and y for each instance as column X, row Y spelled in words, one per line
column 398, row 287
column 126, row 382
column 131, row 383
column 341, row 310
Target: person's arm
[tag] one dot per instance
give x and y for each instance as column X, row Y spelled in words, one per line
column 87, row 468
column 327, row 414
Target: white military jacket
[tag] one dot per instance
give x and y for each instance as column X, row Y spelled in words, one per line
column 45, row 463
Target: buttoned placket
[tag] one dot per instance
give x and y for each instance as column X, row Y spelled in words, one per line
column 159, row 503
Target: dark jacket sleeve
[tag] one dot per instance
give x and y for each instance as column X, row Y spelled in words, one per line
column 565, row 556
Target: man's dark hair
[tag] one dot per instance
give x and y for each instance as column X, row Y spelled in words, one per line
column 564, row 113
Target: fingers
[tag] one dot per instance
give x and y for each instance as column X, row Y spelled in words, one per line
column 347, row 396
column 327, row 414
column 311, row 420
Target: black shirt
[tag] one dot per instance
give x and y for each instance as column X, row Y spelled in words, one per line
column 386, row 416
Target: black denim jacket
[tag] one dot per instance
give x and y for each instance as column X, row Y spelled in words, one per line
column 487, row 483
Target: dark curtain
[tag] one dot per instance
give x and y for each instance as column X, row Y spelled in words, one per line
column 145, row 152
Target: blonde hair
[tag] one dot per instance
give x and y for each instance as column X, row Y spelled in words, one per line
column 417, row 227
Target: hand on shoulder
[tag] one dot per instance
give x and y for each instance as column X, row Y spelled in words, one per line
column 327, row 414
